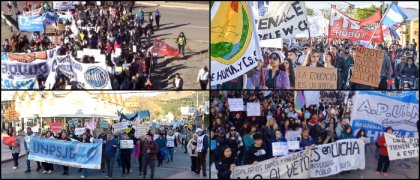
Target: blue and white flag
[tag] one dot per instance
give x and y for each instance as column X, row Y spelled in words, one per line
column 394, row 15
column 374, row 111
column 50, row 18
column 31, row 23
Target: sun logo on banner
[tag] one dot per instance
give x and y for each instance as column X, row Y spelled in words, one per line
column 231, row 31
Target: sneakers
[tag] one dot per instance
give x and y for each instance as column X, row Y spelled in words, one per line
column 49, row 171
column 14, row 167
column 131, row 171
column 27, row 171
column 43, row 172
column 378, row 173
column 386, row 174
column 83, row 177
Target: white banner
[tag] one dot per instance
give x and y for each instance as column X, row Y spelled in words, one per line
column 79, row 131
column 317, row 25
column 279, row 19
column 126, row 144
column 333, row 158
column 234, row 41
column 253, row 109
column 34, row 12
column 280, row 148
column 294, row 165
column 236, row 104
column 312, row 97
column 401, row 147
column 63, row 5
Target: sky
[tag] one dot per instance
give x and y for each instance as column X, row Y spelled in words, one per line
column 358, row 4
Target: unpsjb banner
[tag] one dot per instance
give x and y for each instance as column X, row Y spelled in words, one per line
column 67, row 153
column 374, row 111
column 342, row 26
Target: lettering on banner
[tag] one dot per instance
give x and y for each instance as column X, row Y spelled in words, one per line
column 315, row 78
column 25, row 69
column 96, row 77
column 240, row 65
column 401, row 147
column 367, row 66
column 18, row 84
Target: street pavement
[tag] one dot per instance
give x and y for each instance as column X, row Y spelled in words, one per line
column 178, row 169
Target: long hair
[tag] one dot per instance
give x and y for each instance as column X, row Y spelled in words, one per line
column 268, row 123
column 307, row 61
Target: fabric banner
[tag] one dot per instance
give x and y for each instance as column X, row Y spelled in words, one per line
column 8, row 141
column 236, row 104
column 318, row 26
column 401, row 147
column 55, row 126
column 367, row 66
column 31, row 23
column 161, row 48
column 312, row 98
column 13, row 84
column 294, row 165
column 315, row 78
column 126, row 144
column 63, row 5
column 342, row 26
column 73, row 154
column 14, row 69
column 374, row 111
column 333, row 158
column 280, row 19
column 234, row 41
column 253, row 109
column 35, row 12
column 50, row 18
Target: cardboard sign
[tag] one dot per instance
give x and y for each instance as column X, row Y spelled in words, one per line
column 315, row 78
column 293, row 145
column 401, row 147
column 280, row 148
column 367, row 67
column 50, row 29
column 253, row 109
column 79, row 131
column 126, row 144
column 61, row 27
column 236, row 104
column 55, row 126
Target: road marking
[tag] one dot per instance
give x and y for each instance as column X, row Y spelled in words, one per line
column 173, row 6
column 200, row 27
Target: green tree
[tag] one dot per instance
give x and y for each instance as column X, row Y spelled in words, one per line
column 363, row 13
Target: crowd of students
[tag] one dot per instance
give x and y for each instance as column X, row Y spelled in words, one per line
column 240, row 139
column 157, row 145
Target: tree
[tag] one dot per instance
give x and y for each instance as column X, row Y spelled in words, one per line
column 309, row 11
column 11, row 114
column 363, row 13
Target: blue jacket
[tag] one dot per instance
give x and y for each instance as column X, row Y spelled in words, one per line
column 305, row 142
column 161, row 142
column 205, row 143
column 281, row 139
column 109, row 149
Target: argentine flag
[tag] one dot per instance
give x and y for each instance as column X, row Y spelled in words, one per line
column 394, row 15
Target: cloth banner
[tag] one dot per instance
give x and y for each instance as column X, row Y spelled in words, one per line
column 13, row 84
column 236, row 104
column 73, row 154
column 401, row 148
column 374, row 111
column 234, row 41
column 63, row 5
column 35, row 12
column 294, row 165
column 318, row 26
column 31, row 23
column 161, row 48
column 253, row 109
column 342, row 26
column 50, row 18
column 333, row 158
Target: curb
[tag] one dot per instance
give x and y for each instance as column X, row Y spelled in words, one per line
column 11, row 159
column 173, row 6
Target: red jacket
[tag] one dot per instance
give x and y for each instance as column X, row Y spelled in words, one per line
column 382, row 148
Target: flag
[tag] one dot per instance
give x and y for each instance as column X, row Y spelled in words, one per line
column 299, row 101
column 161, row 48
column 394, row 15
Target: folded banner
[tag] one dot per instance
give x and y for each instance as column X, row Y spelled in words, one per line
column 31, row 23
column 234, row 44
column 280, row 19
column 374, row 111
column 333, row 158
column 294, row 165
column 342, row 26
column 31, row 83
column 66, row 153
column 161, row 48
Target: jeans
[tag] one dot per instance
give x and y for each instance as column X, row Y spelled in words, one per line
column 201, row 162
column 383, row 84
column 383, row 162
column 194, row 164
column 181, row 49
column 103, row 161
column 110, row 165
column 159, row 158
column 84, row 171
column 15, row 159
column 170, row 153
column 118, row 157
column 126, row 163
column 151, row 163
column 203, row 84
column 140, row 164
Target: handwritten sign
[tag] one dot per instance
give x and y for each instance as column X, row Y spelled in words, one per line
column 126, row 144
column 55, row 126
column 293, row 145
column 315, row 78
column 119, row 127
column 141, row 130
column 79, row 131
column 401, row 147
column 280, row 148
column 236, row 104
column 253, row 109
column 367, row 66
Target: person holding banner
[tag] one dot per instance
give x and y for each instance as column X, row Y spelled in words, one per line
column 48, row 167
column 257, row 153
column 84, row 139
column 226, row 164
column 28, row 137
column 65, row 138
column 305, row 140
column 383, row 161
column 273, row 78
column 279, row 138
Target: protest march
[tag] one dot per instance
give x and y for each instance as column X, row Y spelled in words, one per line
column 311, row 134
column 295, row 45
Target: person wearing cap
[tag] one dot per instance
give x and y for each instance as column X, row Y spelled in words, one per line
column 274, row 78
column 150, row 150
column 202, row 146
column 383, row 161
column 257, row 153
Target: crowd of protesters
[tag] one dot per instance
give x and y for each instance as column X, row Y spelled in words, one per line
column 157, row 145
column 107, row 27
column 240, row 139
column 278, row 66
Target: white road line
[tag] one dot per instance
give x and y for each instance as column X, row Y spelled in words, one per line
column 200, row 27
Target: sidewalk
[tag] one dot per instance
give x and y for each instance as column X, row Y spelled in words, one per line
column 6, row 155
column 191, row 6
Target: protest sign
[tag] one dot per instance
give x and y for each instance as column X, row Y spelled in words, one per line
column 295, row 165
column 342, row 26
column 79, row 131
column 401, row 147
column 374, row 111
column 253, row 109
column 141, row 130
column 50, row 18
column 126, row 144
column 315, row 78
column 13, row 84
column 367, row 66
column 312, row 98
column 90, row 124
column 280, row 148
column 236, row 104
column 293, row 145
column 234, row 41
column 35, row 12
column 61, row 27
column 73, row 154
column 50, row 29
column 8, row 141
column 279, row 19
column 119, row 127
column 333, row 158
column 292, row 135
column 104, row 124
column 63, row 5
column 55, row 126
column 31, row 23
